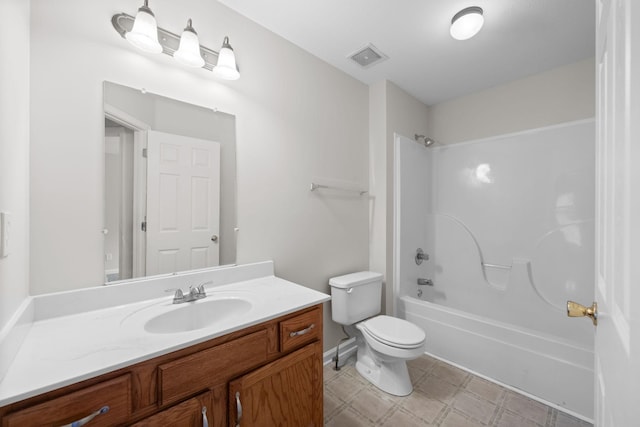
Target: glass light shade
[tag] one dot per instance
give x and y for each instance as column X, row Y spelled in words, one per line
column 467, row 23
column 226, row 67
column 188, row 52
column 144, row 34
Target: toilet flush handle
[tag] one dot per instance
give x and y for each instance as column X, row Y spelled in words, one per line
column 349, row 290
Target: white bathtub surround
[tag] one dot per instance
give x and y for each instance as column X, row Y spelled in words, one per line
column 81, row 334
column 508, row 224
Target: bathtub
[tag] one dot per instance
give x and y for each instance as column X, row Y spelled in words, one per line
column 543, row 367
column 507, row 223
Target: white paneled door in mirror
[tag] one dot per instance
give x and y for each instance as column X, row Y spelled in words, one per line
column 617, row 358
column 183, row 199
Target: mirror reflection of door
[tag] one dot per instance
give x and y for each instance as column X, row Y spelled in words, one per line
column 183, row 203
column 118, row 201
column 162, row 201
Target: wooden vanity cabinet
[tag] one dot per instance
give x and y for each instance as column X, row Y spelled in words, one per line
column 282, row 393
column 274, row 368
column 114, row 394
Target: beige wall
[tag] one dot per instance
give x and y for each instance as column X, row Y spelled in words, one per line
column 14, row 152
column 297, row 118
column 391, row 110
column 560, row 95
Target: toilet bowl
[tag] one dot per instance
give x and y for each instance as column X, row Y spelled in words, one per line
column 384, row 343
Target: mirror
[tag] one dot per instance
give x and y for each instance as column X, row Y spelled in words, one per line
column 170, row 185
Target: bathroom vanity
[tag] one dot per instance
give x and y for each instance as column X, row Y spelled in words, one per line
column 261, row 369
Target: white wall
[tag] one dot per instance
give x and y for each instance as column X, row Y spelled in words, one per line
column 14, row 152
column 556, row 96
column 297, row 118
column 391, row 110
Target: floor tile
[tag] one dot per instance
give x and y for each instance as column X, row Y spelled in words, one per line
column 422, row 406
column 331, row 404
column 345, row 387
column 424, row 363
column 401, row 418
column 436, row 388
column 508, row 419
column 474, row 407
column 450, row 374
column 443, row 396
column 564, row 420
column 371, row 404
column 456, row 419
column 348, row 418
column 485, row 389
column 526, row 408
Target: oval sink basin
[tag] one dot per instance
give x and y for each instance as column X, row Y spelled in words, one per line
column 197, row 315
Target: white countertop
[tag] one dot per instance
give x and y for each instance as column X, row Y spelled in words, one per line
column 62, row 350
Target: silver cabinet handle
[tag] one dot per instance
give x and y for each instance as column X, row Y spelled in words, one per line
column 239, row 409
column 88, row 418
column 205, row 421
column 303, row 331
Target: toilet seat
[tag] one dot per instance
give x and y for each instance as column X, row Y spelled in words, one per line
column 394, row 332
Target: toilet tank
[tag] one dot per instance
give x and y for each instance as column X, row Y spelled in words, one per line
column 355, row 296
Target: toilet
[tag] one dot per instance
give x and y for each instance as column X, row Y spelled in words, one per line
column 384, row 343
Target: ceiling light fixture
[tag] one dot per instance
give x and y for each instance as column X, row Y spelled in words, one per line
column 188, row 52
column 467, row 23
column 143, row 32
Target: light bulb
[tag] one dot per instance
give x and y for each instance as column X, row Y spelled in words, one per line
column 226, row 67
column 188, row 52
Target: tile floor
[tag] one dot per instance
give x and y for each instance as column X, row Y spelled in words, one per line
column 443, row 396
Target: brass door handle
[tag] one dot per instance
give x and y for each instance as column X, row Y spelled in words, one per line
column 578, row 310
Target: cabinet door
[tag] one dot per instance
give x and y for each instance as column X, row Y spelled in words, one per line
column 286, row 392
column 195, row 412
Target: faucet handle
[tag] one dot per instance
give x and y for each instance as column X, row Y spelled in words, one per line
column 178, row 296
column 201, row 289
column 193, row 291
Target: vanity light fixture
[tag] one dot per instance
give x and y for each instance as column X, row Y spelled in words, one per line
column 467, row 23
column 226, row 67
column 188, row 52
column 143, row 32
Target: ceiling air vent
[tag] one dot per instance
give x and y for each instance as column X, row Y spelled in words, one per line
column 368, row 56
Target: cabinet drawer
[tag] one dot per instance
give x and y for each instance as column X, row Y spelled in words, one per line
column 190, row 374
column 300, row 330
column 116, row 394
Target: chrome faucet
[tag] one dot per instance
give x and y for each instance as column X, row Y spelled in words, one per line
column 195, row 293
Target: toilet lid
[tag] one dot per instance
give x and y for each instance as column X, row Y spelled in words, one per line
column 394, row 332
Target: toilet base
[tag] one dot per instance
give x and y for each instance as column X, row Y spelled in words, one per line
column 390, row 377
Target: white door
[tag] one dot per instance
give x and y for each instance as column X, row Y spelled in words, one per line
column 183, row 203
column 617, row 367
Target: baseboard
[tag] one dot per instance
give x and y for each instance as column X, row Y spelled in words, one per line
column 347, row 349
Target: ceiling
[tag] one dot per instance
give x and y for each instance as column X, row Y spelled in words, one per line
column 519, row 38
